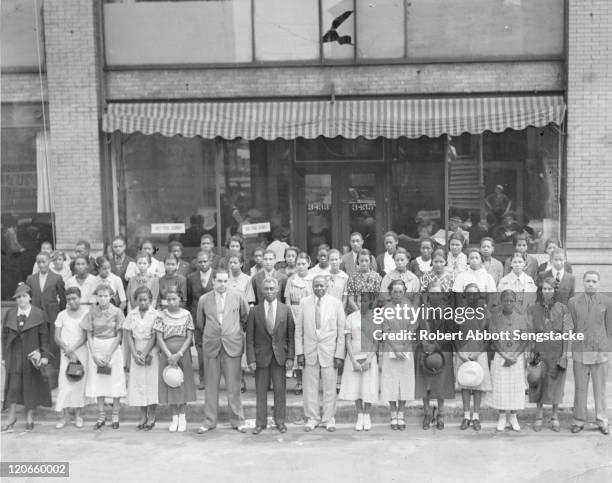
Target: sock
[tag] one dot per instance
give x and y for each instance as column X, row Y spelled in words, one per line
column 466, row 415
column 475, row 416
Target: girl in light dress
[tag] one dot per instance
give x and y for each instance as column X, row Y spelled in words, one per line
column 72, row 340
column 143, row 389
column 456, row 261
column 142, row 278
column 106, row 276
column 83, row 280
column 106, row 377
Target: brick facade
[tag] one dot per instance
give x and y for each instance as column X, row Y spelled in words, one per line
column 73, row 80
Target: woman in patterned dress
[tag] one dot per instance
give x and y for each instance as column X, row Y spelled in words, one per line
column 363, row 281
column 508, row 365
column 438, row 274
column 174, row 328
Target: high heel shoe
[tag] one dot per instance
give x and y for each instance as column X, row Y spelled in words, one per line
column 99, row 424
column 29, row 426
column 149, row 426
column 242, row 387
column 298, row 389
column 142, row 425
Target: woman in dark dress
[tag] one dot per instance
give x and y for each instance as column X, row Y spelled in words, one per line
column 25, row 348
column 437, row 384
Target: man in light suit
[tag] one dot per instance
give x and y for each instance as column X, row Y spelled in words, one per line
column 349, row 260
column 270, row 351
column 221, row 316
column 199, row 283
column 319, row 346
column 49, row 295
column 591, row 315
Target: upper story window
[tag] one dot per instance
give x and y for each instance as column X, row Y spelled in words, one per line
column 316, row 32
column 21, row 48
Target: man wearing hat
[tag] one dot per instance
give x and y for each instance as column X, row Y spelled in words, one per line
column 591, row 314
column 497, row 203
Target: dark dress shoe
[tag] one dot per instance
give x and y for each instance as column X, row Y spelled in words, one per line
column 142, row 426
column 29, row 426
column 440, row 422
column 576, row 429
column 243, row 387
column 282, row 428
column 115, row 425
column 258, row 429
column 8, row 427
column 604, row 430
column 149, row 426
column 99, row 424
column 465, row 424
column 476, row 425
column 201, row 387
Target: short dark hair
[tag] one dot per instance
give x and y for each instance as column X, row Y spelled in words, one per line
column 220, row 270
column 84, row 243
column 591, row 272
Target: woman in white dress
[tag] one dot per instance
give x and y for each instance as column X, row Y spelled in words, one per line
column 477, row 275
column 71, row 339
column 143, row 388
column 104, row 324
column 83, row 280
column 360, row 375
column 397, row 374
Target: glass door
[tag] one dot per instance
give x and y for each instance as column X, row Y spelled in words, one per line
column 334, row 201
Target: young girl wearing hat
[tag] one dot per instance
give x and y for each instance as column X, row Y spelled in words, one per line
column 171, row 279
column 25, row 345
column 397, row 375
column 142, row 278
column 299, row 285
column 360, row 376
column 72, row 340
column 105, row 275
column 434, row 368
column 144, row 365
column 174, row 328
column 508, row 365
column 472, row 350
column 105, row 376
column 549, row 315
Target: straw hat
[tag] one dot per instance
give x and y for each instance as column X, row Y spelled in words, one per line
column 173, row 376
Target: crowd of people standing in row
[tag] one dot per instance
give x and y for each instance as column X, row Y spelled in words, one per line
column 117, row 327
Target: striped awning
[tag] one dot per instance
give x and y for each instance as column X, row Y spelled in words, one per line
column 371, row 118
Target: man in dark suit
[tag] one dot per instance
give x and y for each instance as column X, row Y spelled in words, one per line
column 268, row 271
column 221, row 316
column 49, row 295
column 349, row 260
column 120, row 261
column 591, row 314
column 563, row 280
column 270, row 351
column 198, row 284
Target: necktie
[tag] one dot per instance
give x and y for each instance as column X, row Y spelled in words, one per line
column 589, row 302
column 318, row 314
column 270, row 319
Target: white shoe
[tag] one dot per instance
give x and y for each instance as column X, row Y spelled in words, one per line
column 60, row 424
column 514, row 423
column 359, row 423
column 501, row 422
column 78, row 422
column 182, row 423
column 174, row 424
column 367, row 422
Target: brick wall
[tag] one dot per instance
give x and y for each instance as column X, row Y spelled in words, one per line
column 372, row 80
column 589, row 144
column 23, row 87
column 73, row 80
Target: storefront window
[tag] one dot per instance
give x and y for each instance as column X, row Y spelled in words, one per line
column 503, row 182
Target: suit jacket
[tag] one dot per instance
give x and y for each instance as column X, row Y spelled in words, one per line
column 380, row 264
column 261, row 346
column 566, row 285
column 258, row 279
column 120, row 270
column 195, row 290
column 596, row 325
column 329, row 342
column 230, row 333
column 52, row 299
column 348, row 264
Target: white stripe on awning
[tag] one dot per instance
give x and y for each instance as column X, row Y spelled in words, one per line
column 390, row 118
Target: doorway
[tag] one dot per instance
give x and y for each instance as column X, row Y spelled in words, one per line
column 334, row 200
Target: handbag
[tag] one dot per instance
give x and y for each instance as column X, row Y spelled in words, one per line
column 106, row 370
column 75, row 371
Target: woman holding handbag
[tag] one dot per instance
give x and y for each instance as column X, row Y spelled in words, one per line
column 144, row 367
column 105, row 378
column 25, row 345
column 72, row 341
